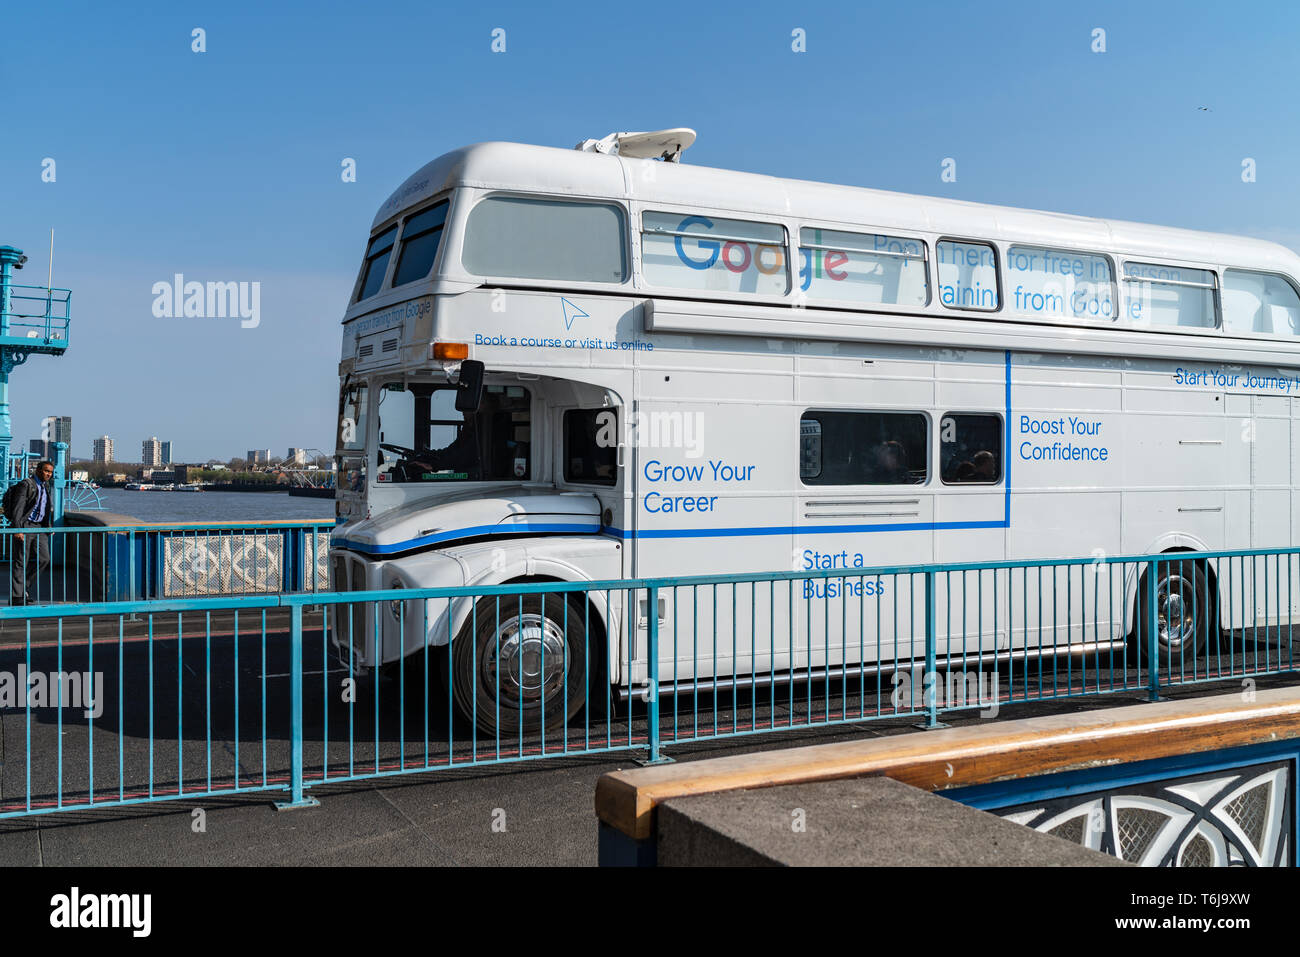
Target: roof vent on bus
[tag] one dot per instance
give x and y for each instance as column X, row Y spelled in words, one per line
column 667, row 145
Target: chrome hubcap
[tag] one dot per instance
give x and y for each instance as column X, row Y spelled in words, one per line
column 530, row 660
column 1176, row 610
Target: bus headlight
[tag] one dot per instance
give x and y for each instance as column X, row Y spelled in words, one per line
column 395, row 606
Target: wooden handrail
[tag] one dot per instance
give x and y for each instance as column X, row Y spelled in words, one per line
column 975, row 754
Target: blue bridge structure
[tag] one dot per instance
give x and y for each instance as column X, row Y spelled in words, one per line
column 34, row 320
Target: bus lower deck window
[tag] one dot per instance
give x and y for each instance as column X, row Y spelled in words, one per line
column 863, row 448
column 591, row 446
column 970, row 448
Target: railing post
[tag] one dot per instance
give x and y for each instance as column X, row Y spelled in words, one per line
column 652, row 658
column 131, row 561
column 1153, row 634
column 296, row 797
column 60, row 481
column 931, row 655
column 289, row 564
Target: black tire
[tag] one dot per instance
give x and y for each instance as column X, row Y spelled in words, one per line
column 549, row 622
column 1185, row 619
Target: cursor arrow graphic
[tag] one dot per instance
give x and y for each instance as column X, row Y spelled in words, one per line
column 571, row 312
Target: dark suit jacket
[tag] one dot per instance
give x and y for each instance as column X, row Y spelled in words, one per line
column 27, row 501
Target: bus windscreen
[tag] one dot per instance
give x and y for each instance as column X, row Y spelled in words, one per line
column 423, row 438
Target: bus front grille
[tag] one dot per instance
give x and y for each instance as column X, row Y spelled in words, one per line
column 350, row 619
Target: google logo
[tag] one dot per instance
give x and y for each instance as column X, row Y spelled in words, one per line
column 735, row 256
column 739, row 256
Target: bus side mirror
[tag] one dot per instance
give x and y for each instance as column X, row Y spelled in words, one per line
column 469, row 387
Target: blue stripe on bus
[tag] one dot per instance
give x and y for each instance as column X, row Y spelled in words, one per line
column 470, row 532
column 798, row 530
column 1006, row 445
column 627, row 534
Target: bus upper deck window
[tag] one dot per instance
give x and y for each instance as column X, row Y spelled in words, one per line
column 420, row 239
column 1256, row 302
column 862, row 267
column 1160, row 295
column 376, row 264
column 689, row 251
column 525, row 238
column 1060, row 283
column 968, row 275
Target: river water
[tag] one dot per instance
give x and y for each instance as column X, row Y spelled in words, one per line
column 214, row 506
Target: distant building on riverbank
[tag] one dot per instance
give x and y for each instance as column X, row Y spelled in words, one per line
column 56, row 428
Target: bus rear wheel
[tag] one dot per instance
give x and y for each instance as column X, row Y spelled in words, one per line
column 520, row 665
column 1182, row 610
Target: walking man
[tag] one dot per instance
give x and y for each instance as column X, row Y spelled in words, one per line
column 29, row 507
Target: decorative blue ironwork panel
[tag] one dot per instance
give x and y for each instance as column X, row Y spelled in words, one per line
column 322, row 561
column 1238, row 817
column 222, row 564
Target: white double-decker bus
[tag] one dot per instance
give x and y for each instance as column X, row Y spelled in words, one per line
column 666, row 370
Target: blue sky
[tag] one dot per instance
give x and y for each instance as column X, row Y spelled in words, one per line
column 225, row 165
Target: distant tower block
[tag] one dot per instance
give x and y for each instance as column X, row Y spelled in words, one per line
column 59, row 429
column 151, row 452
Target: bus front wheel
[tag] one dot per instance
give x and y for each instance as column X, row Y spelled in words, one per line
column 519, row 664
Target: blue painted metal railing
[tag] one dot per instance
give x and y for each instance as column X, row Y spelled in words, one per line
column 226, row 695
column 39, row 314
column 143, row 561
column 18, row 465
